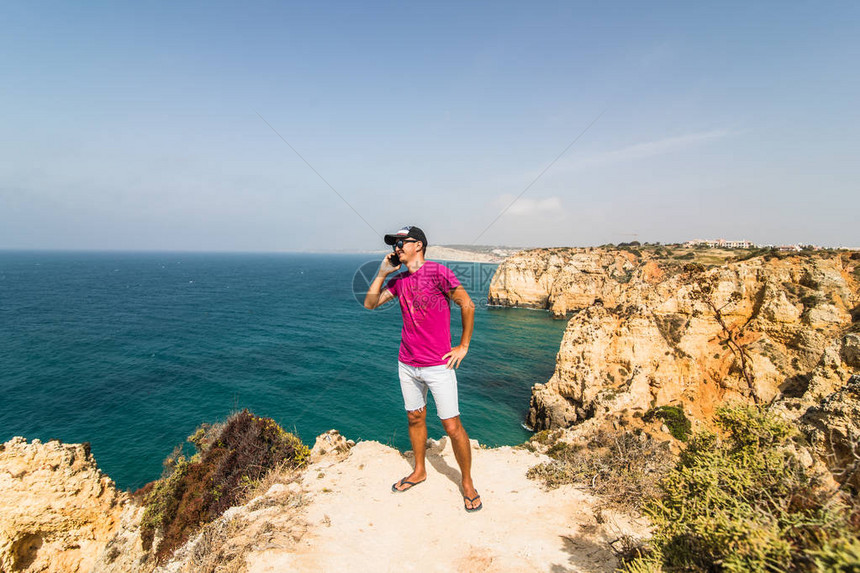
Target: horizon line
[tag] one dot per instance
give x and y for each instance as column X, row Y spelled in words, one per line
column 335, row 252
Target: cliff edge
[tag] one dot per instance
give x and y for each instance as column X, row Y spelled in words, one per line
column 57, row 509
column 336, row 514
column 646, row 331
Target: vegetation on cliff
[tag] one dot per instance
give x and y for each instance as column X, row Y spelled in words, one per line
column 736, row 499
column 230, row 459
column 623, row 468
column 673, row 416
column 743, row 501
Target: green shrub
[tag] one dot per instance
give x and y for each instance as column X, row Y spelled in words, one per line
column 743, row 502
column 842, row 556
column 230, row 459
column 542, row 437
column 674, row 418
column 561, row 451
column 623, row 277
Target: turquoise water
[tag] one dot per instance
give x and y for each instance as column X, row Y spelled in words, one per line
column 131, row 352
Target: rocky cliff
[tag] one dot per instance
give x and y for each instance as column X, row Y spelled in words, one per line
column 562, row 279
column 57, row 509
column 649, row 332
column 336, row 514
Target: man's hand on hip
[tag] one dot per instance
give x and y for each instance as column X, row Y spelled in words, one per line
column 455, row 356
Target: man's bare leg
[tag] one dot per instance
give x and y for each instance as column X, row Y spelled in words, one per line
column 418, row 437
column 463, row 453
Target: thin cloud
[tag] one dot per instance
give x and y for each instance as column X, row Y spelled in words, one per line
column 650, row 148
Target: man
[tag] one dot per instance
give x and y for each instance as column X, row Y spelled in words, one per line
column 426, row 359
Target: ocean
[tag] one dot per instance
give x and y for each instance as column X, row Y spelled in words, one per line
column 132, row 351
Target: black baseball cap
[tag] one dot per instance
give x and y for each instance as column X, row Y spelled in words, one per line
column 407, row 232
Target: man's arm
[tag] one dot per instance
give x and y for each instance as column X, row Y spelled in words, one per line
column 467, row 314
column 374, row 299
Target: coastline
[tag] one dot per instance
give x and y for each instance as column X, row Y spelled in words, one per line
column 477, row 254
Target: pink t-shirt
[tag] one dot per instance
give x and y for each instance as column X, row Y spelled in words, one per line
column 426, row 335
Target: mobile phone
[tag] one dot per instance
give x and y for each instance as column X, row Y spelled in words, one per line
column 394, row 260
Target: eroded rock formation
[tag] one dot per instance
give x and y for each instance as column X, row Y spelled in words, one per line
column 57, row 509
column 562, row 279
column 765, row 329
column 833, row 428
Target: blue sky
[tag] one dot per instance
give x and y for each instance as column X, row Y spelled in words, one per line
column 138, row 125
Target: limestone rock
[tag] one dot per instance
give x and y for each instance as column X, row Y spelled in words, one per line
column 649, row 332
column 57, row 509
column 851, row 350
column 833, row 429
column 563, row 280
column 330, row 445
column 124, row 552
column 549, row 409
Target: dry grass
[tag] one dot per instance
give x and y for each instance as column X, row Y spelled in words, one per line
column 224, row 545
column 213, row 553
column 284, row 473
column 623, row 469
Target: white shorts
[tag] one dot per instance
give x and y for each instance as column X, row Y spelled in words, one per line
column 440, row 380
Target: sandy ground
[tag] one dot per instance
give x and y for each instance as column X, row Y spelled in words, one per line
column 439, row 253
column 356, row 523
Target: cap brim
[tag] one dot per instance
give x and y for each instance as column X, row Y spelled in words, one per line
column 391, row 239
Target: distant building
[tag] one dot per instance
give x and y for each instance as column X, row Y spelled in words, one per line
column 721, row 243
column 724, row 244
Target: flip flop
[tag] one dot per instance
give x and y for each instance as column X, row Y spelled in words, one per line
column 411, row 484
column 472, row 499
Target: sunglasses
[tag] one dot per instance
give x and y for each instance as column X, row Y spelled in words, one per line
column 399, row 244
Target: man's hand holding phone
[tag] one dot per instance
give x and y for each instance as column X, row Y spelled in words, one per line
column 390, row 264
